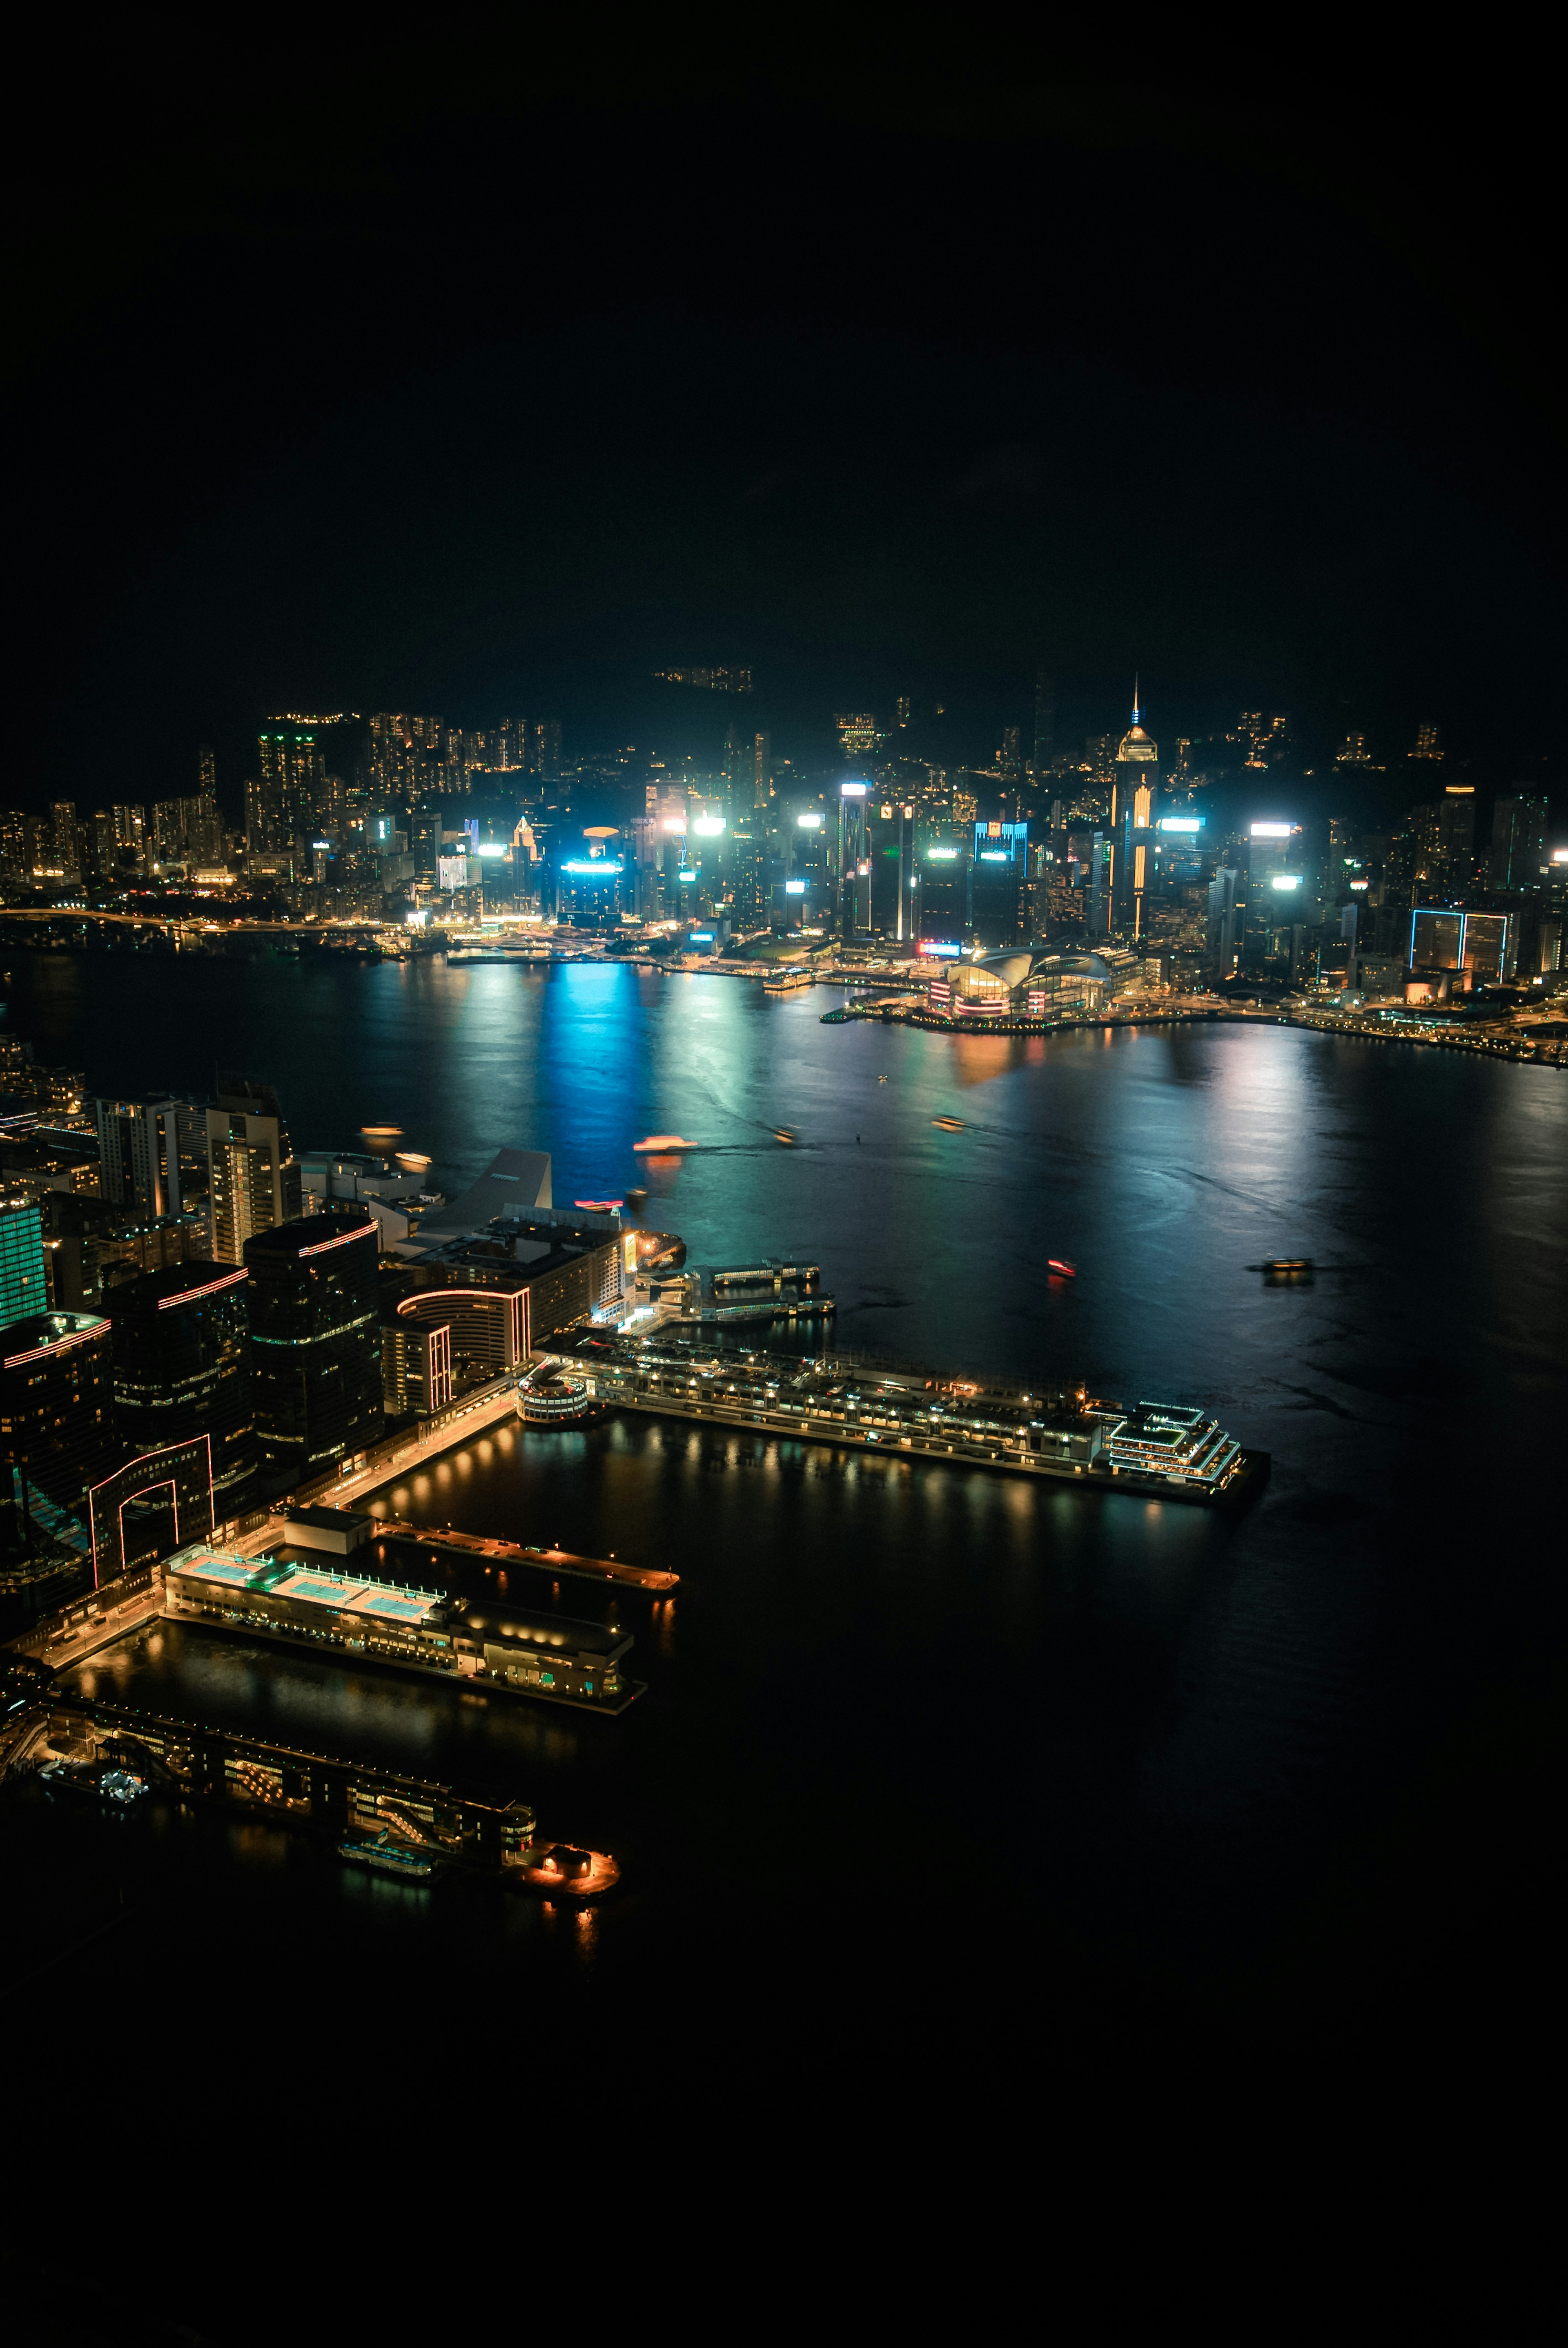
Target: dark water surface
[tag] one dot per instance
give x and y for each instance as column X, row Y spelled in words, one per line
column 920, row 1743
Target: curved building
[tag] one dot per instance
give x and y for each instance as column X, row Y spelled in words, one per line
column 182, row 1369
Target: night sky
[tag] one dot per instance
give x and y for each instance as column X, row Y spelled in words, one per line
column 482, row 384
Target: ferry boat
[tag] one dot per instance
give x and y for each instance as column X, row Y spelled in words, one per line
column 786, row 982
column 786, row 1135
column 389, row 1857
column 1285, row 1268
column 949, row 1124
column 656, row 1144
column 562, row 1868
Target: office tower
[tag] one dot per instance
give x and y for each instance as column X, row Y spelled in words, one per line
column 997, row 903
column 543, row 747
column 1136, row 781
column 1353, row 752
column 1044, row 724
column 762, row 769
column 1519, row 858
column 737, row 770
column 1009, row 760
column 1428, row 743
column 292, row 771
column 315, row 1333
column 1227, row 919
column 23, row 1287
column 253, row 1181
column 207, row 771
column 57, row 1401
column 1456, row 838
column 148, row 1151
column 902, row 709
column 182, row 1352
column 416, row 1366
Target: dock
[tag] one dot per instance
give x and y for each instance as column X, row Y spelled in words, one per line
column 1058, row 1435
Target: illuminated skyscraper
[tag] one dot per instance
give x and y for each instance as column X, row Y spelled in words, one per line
column 1044, row 724
column 57, row 1401
column 1136, row 782
column 254, row 1181
column 23, row 1287
column 315, row 1333
column 291, row 773
column 1428, row 743
column 182, row 1348
column 148, row 1152
column 1519, row 858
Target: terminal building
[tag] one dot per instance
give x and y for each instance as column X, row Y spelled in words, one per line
column 1173, row 1441
column 315, row 1602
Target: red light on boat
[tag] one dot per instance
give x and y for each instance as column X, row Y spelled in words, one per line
column 1066, row 1270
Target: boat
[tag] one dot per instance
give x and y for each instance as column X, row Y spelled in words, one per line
column 786, row 1135
column 389, row 1857
column 661, row 1142
column 637, row 1198
column 1063, row 1271
column 600, row 1206
column 1287, row 1267
column 950, row 1123
column 562, row 1867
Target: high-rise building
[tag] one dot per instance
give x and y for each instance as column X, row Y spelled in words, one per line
column 1519, row 858
column 1044, row 724
column 1353, row 752
column 1133, row 794
column 149, row 1150
column 1429, row 742
column 1000, row 870
column 182, row 1359
column 291, row 775
column 543, row 747
column 254, row 1181
column 67, row 839
column 24, row 1289
column 57, row 1421
column 315, row 1333
column 762, row 769
column 207, row 771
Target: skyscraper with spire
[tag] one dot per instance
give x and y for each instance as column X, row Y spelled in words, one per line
column 1136, row 782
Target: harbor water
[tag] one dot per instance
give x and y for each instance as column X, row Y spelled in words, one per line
column 919, row 1740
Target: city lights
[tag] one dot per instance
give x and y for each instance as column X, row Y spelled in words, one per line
column 709, row 827
column 809, row 821
column 1272, row 831
column 852, row 790
column 1181, row 823
column 1286, row 880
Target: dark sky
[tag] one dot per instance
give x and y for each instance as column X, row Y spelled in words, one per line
column 481, row 381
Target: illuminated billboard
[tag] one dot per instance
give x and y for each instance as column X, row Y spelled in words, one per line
column 1181, row 823
column 1273, row 830
column 595, row 868
column 852, row 790
column 941, row 950
column 685, row 876
column 493, row 847
column 810, row 821
column 940, row 855
column 709, row 827
column 794, row 888
column 1286, row 880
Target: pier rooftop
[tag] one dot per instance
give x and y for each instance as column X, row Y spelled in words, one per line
column 1055, row 1430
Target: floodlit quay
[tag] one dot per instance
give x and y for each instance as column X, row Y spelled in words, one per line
column 1173, row 1451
